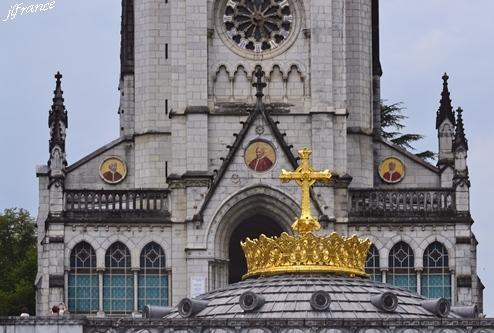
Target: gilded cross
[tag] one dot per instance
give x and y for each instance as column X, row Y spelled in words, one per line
column 305, row 176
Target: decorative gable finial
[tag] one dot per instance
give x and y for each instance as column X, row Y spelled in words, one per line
column 259, row 85
column 58, row 123
column 445, row 108
column 460, row 138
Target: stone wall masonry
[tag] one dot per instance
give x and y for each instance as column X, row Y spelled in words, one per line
column 87, row 175
column 417, row 175
column 339, row 62
column 360, row 160
column 133, row 325
column 197, row 142
column 220, row 135
column 152, row 152
column 340, row 144
column 196, row 53
column 321, row 45
column 152, row 67
column 43, row 210
column 127, row 105
column 178, row 51
column 178, row 164
column 358, row 55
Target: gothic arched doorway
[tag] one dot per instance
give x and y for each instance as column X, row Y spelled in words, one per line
column 251, row 227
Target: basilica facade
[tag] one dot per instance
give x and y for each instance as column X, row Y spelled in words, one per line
column 158, row 214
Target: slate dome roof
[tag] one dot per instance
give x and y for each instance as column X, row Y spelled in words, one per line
column 289, row 297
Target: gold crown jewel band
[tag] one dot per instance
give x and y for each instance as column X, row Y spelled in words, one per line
column 305, row 252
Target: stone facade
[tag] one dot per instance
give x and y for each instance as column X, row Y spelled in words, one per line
column 186, row 120
column 83, row 325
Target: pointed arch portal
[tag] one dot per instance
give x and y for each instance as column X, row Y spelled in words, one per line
column 251, row 227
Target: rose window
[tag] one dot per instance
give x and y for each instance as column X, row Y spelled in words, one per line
column 258, row 25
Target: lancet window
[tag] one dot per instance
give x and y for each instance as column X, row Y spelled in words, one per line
column 83, row 280
column 118, row 280
column 401, row 267
column 372, row 266
column 153, row 277
column 436, row 277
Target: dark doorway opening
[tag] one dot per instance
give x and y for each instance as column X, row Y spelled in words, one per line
column 252, row 227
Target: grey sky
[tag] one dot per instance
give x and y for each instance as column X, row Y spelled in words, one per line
column 420, row 40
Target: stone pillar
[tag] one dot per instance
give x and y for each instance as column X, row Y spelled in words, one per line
column 101, row 312
column 321, row 60
column 419, row 280
column 66, row 287
column 136, row 290
column 453, row 288
column 196, row 53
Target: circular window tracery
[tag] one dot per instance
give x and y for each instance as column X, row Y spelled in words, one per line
column 258, row 25
column 258, row 28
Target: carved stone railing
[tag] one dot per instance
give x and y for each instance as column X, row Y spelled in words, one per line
column 402, row 202
column 116, row 200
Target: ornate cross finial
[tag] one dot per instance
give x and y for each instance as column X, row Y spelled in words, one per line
column 445, row 108
column 460, row 137
column 259, row 85
column 58, row 76
column 305, row 176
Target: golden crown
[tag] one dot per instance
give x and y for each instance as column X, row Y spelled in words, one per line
column 305, row 252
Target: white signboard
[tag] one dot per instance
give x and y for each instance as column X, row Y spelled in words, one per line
column 197, row 286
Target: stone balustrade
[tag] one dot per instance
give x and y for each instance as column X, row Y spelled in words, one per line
column 115, row 200
column 401, row 202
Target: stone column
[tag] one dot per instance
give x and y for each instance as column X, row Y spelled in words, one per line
column 136, row 289
column 101, row 312
column 453, row 288
column 419, row 281
column 66, row 288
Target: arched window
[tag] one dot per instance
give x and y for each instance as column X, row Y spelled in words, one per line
column 436, row 278
column 83, row 280
column 401, row 267
column 372, row 266
column 118, row 280
column 153, row 277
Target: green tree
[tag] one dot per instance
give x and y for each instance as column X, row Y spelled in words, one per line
column 17, row 262
column 392, row 118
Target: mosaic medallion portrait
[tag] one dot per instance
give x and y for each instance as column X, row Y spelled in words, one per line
column 113, row 170
column 392, row 170
column 260, row 156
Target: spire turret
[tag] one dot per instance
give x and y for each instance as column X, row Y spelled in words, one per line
column 58, row 120
column 445, row 125
column 460, row 138
column 58, row 123
column 445, row 108
column 461, row 177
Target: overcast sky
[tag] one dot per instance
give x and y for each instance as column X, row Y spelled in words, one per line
column 420, row 40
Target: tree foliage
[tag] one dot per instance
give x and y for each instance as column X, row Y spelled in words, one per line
column 392, row 118
column 18, row 256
